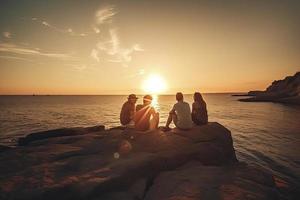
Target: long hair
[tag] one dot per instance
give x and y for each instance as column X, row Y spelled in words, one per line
column 198, row 97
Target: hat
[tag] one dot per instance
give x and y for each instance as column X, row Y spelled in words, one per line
column 132, row 96
column 148, row 97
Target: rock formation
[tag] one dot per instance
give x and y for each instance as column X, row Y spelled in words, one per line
column 131, row 165
column 3, row 148
column 283, row 91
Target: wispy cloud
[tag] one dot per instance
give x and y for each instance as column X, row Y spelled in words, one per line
column 140, row 72
column 95, row 55
column 15, row 49
column 69, row 31
column 112, row 48
column 102, row 16
column 96, row 29
column 108, row 46
column 80, row 67
column 105, row 15
column 6, row 34
column 77, row 67
column 17, row 58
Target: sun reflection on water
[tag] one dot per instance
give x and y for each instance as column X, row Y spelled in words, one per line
column 155, row 102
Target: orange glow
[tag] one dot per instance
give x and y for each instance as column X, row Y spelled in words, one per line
column 154, row 84
column 113, row 48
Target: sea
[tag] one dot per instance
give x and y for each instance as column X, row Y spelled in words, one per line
column 265, row 134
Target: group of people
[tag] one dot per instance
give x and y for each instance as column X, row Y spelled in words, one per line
column 144, row 117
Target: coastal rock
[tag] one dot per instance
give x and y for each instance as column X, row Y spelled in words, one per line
column 57, row 133
column 282, row 91
column 113, row 164
column 4, row 148
column 195, row 181
column 255, row 93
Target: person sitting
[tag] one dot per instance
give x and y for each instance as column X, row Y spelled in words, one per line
column 146, row 118
column 180, row 114
column 128, row 110
column 199, row 110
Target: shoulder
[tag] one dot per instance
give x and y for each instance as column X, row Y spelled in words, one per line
column 128, row 106
column 139, row 107
column 176, row 105
column 186, row 103
column 124, row 104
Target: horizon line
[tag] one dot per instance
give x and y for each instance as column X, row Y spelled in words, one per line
column 166, row 94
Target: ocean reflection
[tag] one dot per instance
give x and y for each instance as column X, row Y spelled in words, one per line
column 155, row 102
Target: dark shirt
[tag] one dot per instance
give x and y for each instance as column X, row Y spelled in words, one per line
column 142, row 117
column 199, row 113
column 127, row 113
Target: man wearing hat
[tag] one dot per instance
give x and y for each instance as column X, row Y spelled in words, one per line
column 146, row 118
column 128, row 110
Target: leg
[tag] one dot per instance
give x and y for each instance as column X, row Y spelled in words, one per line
column 172, row 117
column 154, row 122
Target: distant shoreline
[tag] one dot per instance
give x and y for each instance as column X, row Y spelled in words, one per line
column 285, row 91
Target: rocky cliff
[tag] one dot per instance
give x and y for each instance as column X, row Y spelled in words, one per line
column 128, row 165
column 283, row 91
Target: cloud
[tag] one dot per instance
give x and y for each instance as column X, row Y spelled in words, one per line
column 114, row 42
column 46, row 23
column 96, row 29
column 107, row 44
column 69, row 31
column 137, row 47
column 140, row 72
column 15, row 49
column 105, row 15
column 6, row 34
column 16, row 58
column 95, row 55
column 113, row 50
column 80, row 67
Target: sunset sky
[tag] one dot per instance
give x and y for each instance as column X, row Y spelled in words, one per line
column 112, row 47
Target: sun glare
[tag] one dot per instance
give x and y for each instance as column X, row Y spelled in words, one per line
column 154, row 84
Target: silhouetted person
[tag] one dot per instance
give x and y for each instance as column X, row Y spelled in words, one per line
column 146, row 118
column 199, row 110
column 180, row 114
column 128, row 110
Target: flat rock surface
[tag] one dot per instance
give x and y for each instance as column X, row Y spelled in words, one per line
column 108, row 164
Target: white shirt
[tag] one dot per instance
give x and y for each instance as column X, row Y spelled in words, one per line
column 183, row 112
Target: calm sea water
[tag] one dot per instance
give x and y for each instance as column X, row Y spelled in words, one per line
column 265, row 134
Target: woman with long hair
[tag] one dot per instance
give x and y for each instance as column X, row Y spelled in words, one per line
column 199, row 110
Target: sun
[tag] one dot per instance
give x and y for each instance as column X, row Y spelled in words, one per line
column 154, row 84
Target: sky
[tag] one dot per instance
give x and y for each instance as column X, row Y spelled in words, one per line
column 112, row 47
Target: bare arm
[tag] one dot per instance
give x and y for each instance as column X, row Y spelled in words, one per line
column 172, row 111
column 193, row 108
